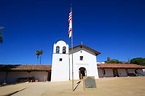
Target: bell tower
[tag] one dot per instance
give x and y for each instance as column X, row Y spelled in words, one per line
column 60, row 62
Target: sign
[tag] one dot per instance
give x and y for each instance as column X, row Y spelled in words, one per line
column 89, row 82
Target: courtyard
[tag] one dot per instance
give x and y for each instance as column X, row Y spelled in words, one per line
column 117, row 86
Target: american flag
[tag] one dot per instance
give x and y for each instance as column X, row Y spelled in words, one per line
column 70, row 24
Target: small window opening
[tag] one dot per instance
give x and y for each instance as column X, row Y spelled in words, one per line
column 60, row 59
column 81, row 58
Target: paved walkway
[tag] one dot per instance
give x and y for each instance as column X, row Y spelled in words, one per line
column 24, row 89
column 127, row 86
column 34, row 90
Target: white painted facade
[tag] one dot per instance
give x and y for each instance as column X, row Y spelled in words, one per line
column 62, row 70
column 143, row 71
column 84, row 64
column 60, row 62
column 108, row 73
column 88, row 62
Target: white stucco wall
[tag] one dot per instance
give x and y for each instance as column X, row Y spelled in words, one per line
column 143, row 71
column 88, row 62
column 122, row 72
column 60, row 44
column 13, row 76
column 60, row 69
column 108, row 73
column 39, row 75
column 100, row 73
column 140, row 72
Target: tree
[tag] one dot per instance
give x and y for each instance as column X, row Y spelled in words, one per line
column 112, row 61
column 138, row 60
column 39, row 53
column 108, row 59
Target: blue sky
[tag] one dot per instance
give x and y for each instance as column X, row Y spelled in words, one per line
column 116, row 28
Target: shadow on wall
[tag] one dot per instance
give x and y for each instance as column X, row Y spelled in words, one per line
column 6, row 69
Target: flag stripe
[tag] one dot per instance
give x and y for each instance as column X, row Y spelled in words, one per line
column 70, row 25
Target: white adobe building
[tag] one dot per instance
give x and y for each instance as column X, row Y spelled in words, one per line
column 84, row 62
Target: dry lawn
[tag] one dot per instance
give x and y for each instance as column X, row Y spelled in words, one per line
column 122, row 86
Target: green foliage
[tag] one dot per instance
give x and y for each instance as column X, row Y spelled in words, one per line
column 39, row 53
column 138, row 60
column 108, row 59
column 112, row 61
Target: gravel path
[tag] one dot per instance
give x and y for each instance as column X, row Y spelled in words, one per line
column 36, row 89
column 127, row 86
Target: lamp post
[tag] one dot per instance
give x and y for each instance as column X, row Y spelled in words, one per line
column 1, row 35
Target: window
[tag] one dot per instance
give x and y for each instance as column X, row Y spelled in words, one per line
column 60, row 59
column 57, row 49
column 81, row 58
column 64, row 50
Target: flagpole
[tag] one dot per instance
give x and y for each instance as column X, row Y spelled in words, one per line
column 72, row 64
column 70, row 33
column 72, row 57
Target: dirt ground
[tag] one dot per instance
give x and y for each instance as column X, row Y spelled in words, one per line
column 122, row 86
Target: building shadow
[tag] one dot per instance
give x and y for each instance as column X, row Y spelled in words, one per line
column 78, row 83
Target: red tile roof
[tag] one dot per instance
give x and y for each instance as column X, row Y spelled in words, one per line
column 25, row 67
column 120, row 66
column 86, row 47
column 48, row 67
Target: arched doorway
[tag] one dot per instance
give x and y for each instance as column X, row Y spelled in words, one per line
column 82, row 72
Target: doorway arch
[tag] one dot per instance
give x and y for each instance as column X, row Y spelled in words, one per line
column 82, row 72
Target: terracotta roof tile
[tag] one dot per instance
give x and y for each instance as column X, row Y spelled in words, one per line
column 121, row 66
column 26, row 67
column 86, row 47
